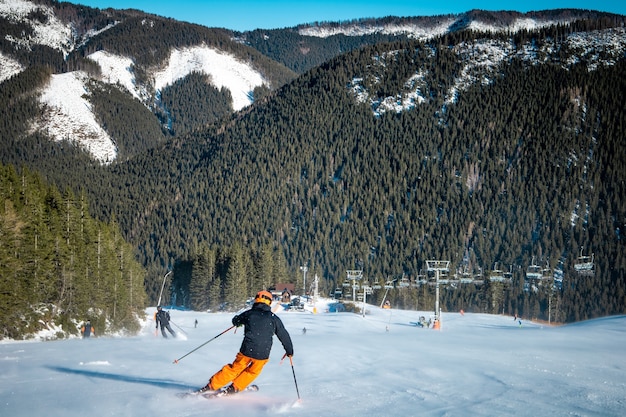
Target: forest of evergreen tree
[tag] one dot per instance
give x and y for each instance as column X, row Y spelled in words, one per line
column 527, row 168
column 60, row 267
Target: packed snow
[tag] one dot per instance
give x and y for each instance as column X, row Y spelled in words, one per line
column 345, row 364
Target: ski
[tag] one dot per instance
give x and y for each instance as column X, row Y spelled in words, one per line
column 214, row 394
column 224, row 393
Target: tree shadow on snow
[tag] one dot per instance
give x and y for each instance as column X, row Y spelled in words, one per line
column 125, row 378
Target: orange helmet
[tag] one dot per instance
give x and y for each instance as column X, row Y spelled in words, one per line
column 263, row 297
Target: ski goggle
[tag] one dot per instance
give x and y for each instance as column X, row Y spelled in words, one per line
column 263, row 298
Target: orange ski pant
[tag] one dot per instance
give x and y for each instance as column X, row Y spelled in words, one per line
column 241, row 372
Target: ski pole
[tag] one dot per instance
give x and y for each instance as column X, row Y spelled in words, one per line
column 179, row 328
column 190, row 352
column 294, row 378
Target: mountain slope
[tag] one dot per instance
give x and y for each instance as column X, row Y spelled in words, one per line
column 477, row 147
column 522, row 166
column 309, row 45
column 142, row 55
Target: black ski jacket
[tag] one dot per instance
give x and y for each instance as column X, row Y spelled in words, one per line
column 260, row 327
column 162, row 317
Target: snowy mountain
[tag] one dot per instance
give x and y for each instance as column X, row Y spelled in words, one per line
column 481, row 60
column 69, row 114
column 427, row 28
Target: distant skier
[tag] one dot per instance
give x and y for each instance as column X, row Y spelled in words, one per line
column 87, row 329
column 195, row 324
column 304, row 330
column 163, row 318
column 260, row 326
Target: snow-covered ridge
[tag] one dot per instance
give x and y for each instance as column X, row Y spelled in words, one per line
column 52, row 32
column 520, row 24
column 224, row 70
column 420, row 31
column 481, row 59
column 412, row 30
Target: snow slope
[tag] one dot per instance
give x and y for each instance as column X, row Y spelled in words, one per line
column 69, row 115
column 345, row 365
column 225, row 71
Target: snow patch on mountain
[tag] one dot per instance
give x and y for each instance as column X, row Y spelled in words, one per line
column 412, row 30
column 224, row 70
column 517, row 25
column 118, row 70
column 601, row 47
column 68, row 116
column 420, row 31
column 47, row 29
column 8, row 67
column 481, row 59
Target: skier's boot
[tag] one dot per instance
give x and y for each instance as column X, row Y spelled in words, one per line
column 206, row 388
column 229, row 390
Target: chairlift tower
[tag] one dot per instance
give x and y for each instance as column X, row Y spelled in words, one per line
column 304, row 268
column 354, row 275
column 437, row 267
column 366, row 291
column 315, row 289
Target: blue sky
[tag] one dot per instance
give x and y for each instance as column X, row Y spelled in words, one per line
column 244, row 15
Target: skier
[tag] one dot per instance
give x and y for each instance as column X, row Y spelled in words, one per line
column 260, row 325
column 163, row 317
column 87, row 329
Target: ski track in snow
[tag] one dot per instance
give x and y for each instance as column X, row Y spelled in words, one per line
column 345, row 365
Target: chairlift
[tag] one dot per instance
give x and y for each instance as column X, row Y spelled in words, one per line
column 496, row 275
column 508, row 276
column 389, row 284
column 533, row 272
column 585, row 263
